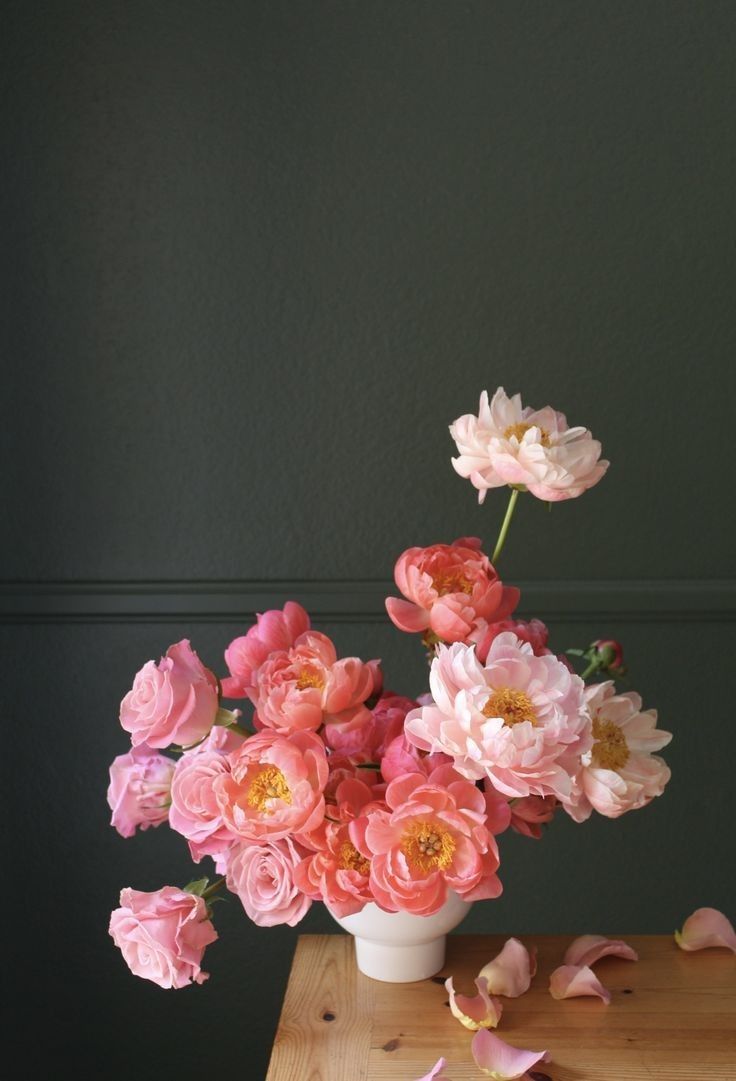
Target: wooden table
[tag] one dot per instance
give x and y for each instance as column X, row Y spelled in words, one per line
column 672, row 1016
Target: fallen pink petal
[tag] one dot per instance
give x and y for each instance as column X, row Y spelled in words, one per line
column 434, row 1073
column 587, row 949
column 476, row 1011
column 499, row 1060
column 705, row 929
column 575, row 981
column 510, row 973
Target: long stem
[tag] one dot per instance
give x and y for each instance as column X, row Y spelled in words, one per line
column 505, row 526
column 590, row 669
column 216, row 885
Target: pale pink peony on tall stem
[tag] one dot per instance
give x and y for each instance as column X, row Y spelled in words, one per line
column 535, row 449
column 140, row 790
column 163, row 935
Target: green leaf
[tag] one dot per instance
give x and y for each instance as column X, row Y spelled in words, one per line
column 197, row 885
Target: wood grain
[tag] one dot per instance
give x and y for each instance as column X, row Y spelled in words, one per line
column 672, row 1016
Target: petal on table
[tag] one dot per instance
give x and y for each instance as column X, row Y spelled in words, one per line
column 434, row 1073
column 587, row 949
column 706, row 927
column 510, row 973
column 500, row 1060
column 476, row 1011
column 574, row 981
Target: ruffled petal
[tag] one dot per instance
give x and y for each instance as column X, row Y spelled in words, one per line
column 706, row 928
column 574, row 981
column 587, row 949
column 499, row 1060
column 478, row 1011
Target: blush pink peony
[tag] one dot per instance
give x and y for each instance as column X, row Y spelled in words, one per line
column 430, row 838
column 163, row 935
column 174, row 701
column 296, row 689
column 508, row 443
column 274, row 631
column 274, row 786
column 448, row 589
column 140, row 790
column 262, row 875
column 619, row 772
column 519, row 720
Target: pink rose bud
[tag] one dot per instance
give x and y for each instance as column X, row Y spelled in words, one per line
column 174, row 701
column 610, row 656
column 163, row 935
column 140, row 790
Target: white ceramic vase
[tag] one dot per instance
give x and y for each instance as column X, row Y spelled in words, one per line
column 397, row 947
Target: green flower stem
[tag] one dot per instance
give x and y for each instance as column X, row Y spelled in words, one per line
column 505, row 526
column 592, row 667
column 211, row 890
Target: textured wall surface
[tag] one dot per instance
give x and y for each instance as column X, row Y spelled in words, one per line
column 256, row 257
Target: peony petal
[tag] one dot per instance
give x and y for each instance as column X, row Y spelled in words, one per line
column 706, row 928
column 573, row 981
column 434, row 1073
column 510, row 973
column 407, row 616
column 480, row 1011
column 587, row 949
column 500, row 1060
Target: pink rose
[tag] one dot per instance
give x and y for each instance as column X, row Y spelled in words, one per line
column 195, row 812
column 139, row 792
column 262, row 875
column 274, row 631
column 163, row 935
column 275, row 786
column 174, row 701
column 448, row 589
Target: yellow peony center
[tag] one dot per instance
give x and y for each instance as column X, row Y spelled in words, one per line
column 269, row 784
column 520, row 430
column 512, row 706
column 610, row 751
column 428, row 846
column 310, row 677
column 453, row 581
column 352, row 860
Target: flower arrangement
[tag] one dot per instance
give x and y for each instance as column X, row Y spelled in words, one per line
column 335, row 789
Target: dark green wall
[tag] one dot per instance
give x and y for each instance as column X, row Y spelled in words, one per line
column 256, row 257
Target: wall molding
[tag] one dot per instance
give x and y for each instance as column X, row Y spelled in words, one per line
column 348, row 601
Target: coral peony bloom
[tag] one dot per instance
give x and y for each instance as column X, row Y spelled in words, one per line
column 262, row 875
column 510, row 973
column 432, row 837
column 577, row 981
column 477, row 1011
column 174, row 701
column 533, row 631
column 296, row 689
column 706, row 928
column 619, row 772
column 534, row 449
column 434, row 1073
column 529, row 814
column 139, row 791
column 163, row 935
column 587, row 949
column 337, row 873
column 274, row 631
column 195, row 812
column 274, row 786
column 499, row 1060
column 448, row 589
column 519, row 720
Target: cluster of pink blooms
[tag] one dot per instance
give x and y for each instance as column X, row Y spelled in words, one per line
column 337, row 790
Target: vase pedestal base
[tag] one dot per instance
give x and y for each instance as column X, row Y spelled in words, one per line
column 395, row 963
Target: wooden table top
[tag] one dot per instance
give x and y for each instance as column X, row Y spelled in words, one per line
column 672, row 1016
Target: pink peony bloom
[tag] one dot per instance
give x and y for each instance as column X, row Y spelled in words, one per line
column 577, row 981
column 499, row 1060
column 448, row 589
column 336, row 873
column 403, row 757
column 432, row 837
column 434, row 1073
column 619, row 772
column 519, row 720
column 139, row 792
column 163, row 935
column 587, row 949
column 195, row 812
column 510, row 973
column 477, row 1011
column 534, row 449
column 534, row 632
column 274, row 786
column 274, row 631
column 296, row 689
column 174, row 701
column 262, row 875
column 352, row 733
column 529, row 814
column 706, row 928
